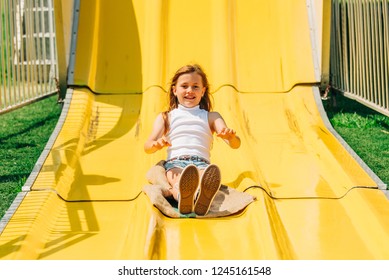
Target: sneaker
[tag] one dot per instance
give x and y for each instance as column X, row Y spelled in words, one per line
column 187, row 185
column 209, row 186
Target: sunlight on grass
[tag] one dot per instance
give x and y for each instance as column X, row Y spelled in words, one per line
column 23, row 135
column 366, row 131
column 352, row 120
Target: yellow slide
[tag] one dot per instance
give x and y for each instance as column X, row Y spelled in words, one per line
column 314, row 198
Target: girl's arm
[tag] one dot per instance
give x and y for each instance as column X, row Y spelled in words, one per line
column 156, row 140
column 218, row 125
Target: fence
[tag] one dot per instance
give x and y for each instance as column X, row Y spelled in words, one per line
column 359, row 64
column 28, row 69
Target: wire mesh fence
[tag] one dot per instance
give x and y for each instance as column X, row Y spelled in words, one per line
column 28, row 68
column 359, row 63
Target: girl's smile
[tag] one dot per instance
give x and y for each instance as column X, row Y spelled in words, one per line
column 189, row 90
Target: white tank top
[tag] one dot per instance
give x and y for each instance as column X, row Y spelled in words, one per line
column 189, row 133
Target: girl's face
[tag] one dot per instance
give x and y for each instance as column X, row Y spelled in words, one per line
column 189, row 89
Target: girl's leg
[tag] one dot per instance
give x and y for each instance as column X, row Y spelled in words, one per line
column 173, row 177
column 184, row 184
column 209, row 186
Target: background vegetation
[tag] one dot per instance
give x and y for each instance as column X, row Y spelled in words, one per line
column 23, row 136
column 365, row 130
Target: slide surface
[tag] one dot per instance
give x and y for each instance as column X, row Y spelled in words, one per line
column 314, row 198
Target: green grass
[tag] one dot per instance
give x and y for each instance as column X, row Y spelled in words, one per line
column 365, row 130
column 23, row 136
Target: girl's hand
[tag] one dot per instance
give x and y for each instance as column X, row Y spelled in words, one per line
column 219, row 126
column 157, row 139
column 226, row 133
column 161, row 143
column 230, row 137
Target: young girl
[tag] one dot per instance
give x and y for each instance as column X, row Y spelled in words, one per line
column 186, row 129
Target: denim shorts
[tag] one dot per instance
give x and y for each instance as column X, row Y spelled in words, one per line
column 182, row 163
